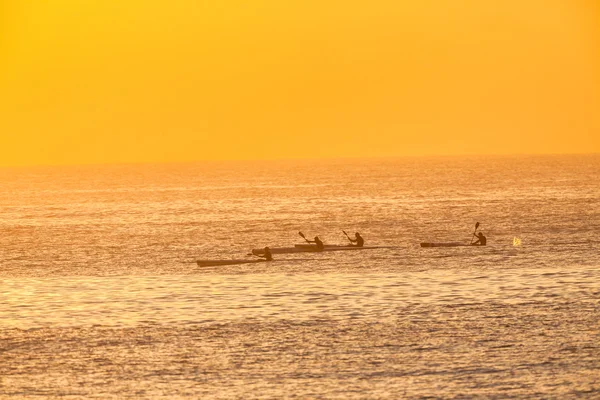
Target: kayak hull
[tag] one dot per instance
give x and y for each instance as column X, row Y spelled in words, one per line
column 312, row 247
column 306, row 248
column 277, row 250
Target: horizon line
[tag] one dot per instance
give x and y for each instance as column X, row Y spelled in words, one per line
column 232, row 160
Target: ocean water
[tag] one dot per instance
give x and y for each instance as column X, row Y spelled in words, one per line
column 100, row 296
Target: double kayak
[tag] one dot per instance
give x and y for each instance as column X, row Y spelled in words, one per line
column 305, row 248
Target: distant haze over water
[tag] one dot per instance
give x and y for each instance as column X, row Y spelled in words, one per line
column 150, row 218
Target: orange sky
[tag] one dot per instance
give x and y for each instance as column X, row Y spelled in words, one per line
column 125, row 81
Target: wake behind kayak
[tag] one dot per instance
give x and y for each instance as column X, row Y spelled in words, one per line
column 448, row 244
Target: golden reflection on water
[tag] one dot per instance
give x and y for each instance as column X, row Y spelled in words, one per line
column 100, row 296
column 130, row 301
column 473, row 333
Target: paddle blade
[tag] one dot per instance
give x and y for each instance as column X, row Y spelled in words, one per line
column 476, row 226
column 347, row 236
column 302, row 234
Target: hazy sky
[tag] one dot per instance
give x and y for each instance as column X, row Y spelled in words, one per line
column 87, row 81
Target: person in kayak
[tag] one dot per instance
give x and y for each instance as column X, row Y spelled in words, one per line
column 267, row 254
column 358, row 240
column 318, row 242
column 481, row 240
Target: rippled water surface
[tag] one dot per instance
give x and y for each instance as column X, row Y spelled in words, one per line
column 100, row 296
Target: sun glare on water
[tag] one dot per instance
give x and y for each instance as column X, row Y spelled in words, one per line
column 516, row 241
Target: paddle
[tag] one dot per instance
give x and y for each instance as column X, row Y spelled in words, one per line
column 303, row 237
column 476, row 226
column 347, row 236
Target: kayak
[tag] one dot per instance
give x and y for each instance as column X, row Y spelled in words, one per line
column 449, row 244
column 215, row 263
column 305, row 248
column 312, row 247
column 334, row 247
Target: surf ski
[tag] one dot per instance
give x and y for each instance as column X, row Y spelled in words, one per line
column 481, row 241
